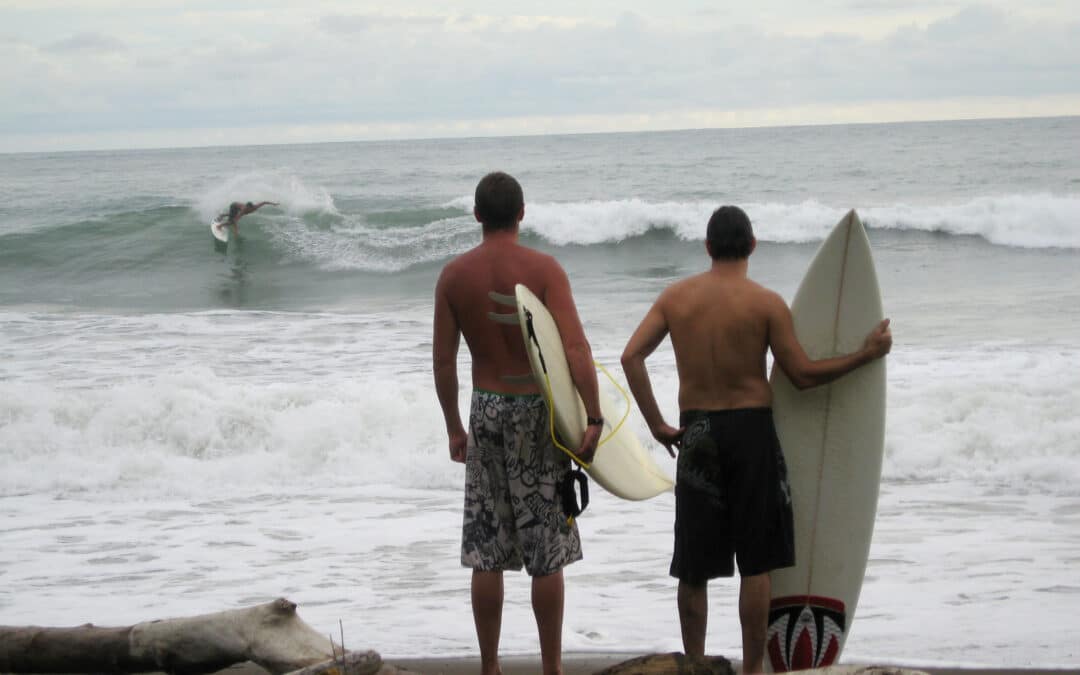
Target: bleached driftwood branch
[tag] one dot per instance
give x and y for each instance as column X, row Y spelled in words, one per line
column 271, row 635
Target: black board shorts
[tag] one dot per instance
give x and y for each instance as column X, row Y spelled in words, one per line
column 732, row 498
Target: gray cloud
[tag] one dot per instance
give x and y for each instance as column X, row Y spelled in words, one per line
column 347, row 24
column 291, row 66
column 890, row 5
column 86, row 42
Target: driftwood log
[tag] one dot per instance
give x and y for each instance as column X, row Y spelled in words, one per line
column 271, row 635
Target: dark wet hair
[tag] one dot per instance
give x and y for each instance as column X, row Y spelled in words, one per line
column 499, row 200
column 249, row 204
column 730, row 235
column 234, row 209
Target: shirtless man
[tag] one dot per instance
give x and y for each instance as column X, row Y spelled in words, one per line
column 513, row 514
column 238, row 211
column 731, row 497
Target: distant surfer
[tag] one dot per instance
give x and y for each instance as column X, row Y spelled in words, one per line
column 513, row 513
column 732, row 498
column 238, row 211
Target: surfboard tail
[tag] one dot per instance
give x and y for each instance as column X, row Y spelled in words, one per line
column 804, row 632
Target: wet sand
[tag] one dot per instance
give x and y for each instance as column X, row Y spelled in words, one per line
column 587, row 664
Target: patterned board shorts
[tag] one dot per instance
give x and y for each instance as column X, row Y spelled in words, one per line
column 512, row 509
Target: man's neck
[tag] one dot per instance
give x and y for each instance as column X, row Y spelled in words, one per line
column 731, row 268
column 507, row 236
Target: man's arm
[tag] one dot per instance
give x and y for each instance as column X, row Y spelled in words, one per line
column 256, row 207
column 445, row 341
column 643, row 342
column 800, row 368
column 559, row 300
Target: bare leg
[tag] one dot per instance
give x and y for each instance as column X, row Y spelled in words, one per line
column 693, row 616
column 754, row 595
column 547, row 602
column 487, row 604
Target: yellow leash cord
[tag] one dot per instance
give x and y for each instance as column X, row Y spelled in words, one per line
column 550, row 400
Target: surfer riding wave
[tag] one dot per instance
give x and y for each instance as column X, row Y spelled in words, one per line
column 236, row 212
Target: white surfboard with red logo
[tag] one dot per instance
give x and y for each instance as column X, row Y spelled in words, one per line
column 833, row 438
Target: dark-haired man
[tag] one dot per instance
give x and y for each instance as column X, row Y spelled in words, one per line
column 512, row 512
column 731, row 496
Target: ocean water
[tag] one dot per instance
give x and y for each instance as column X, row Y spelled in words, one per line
column 184, row 430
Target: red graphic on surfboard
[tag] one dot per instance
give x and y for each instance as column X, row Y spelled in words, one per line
column 805, row 631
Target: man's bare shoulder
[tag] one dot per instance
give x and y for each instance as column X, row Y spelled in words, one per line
column 456, row 268
column 464, row 260
column 766, row 298
column 760, row 288
column 539, row 257
column 683, row 286
column 683, row 290
column 532, row 264
column 450, row 269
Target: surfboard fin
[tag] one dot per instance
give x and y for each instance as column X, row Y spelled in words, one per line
column 499, row 317
column 502, row 299
column 517, row 379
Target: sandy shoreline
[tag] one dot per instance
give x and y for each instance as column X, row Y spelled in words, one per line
column 587, row 664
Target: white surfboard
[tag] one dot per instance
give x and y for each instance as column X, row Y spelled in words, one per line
column 622, row 466
column 833, row 439
column 219, row 230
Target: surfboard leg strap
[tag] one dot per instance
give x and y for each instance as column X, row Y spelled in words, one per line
column 568, row 496
column 502, row 299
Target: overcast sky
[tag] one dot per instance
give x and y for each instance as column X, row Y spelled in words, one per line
column 128, row 73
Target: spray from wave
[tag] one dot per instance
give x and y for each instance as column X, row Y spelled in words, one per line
column 294, row 196
column 355, row 244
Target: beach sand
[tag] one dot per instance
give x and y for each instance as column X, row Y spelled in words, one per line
column 587, row 664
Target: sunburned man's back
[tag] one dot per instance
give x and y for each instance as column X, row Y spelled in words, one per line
column 498, row 265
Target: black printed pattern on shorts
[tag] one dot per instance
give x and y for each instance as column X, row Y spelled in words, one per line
column 699, row 466
column 512, row 512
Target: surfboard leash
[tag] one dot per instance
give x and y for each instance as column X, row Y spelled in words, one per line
column 550, row 400
column 566, row 488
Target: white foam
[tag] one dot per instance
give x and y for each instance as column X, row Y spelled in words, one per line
column 1004, row 415
column 291, row 408
column 192, row 433
column 1023, row 220
column 1027, row 221
column 354, row 245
